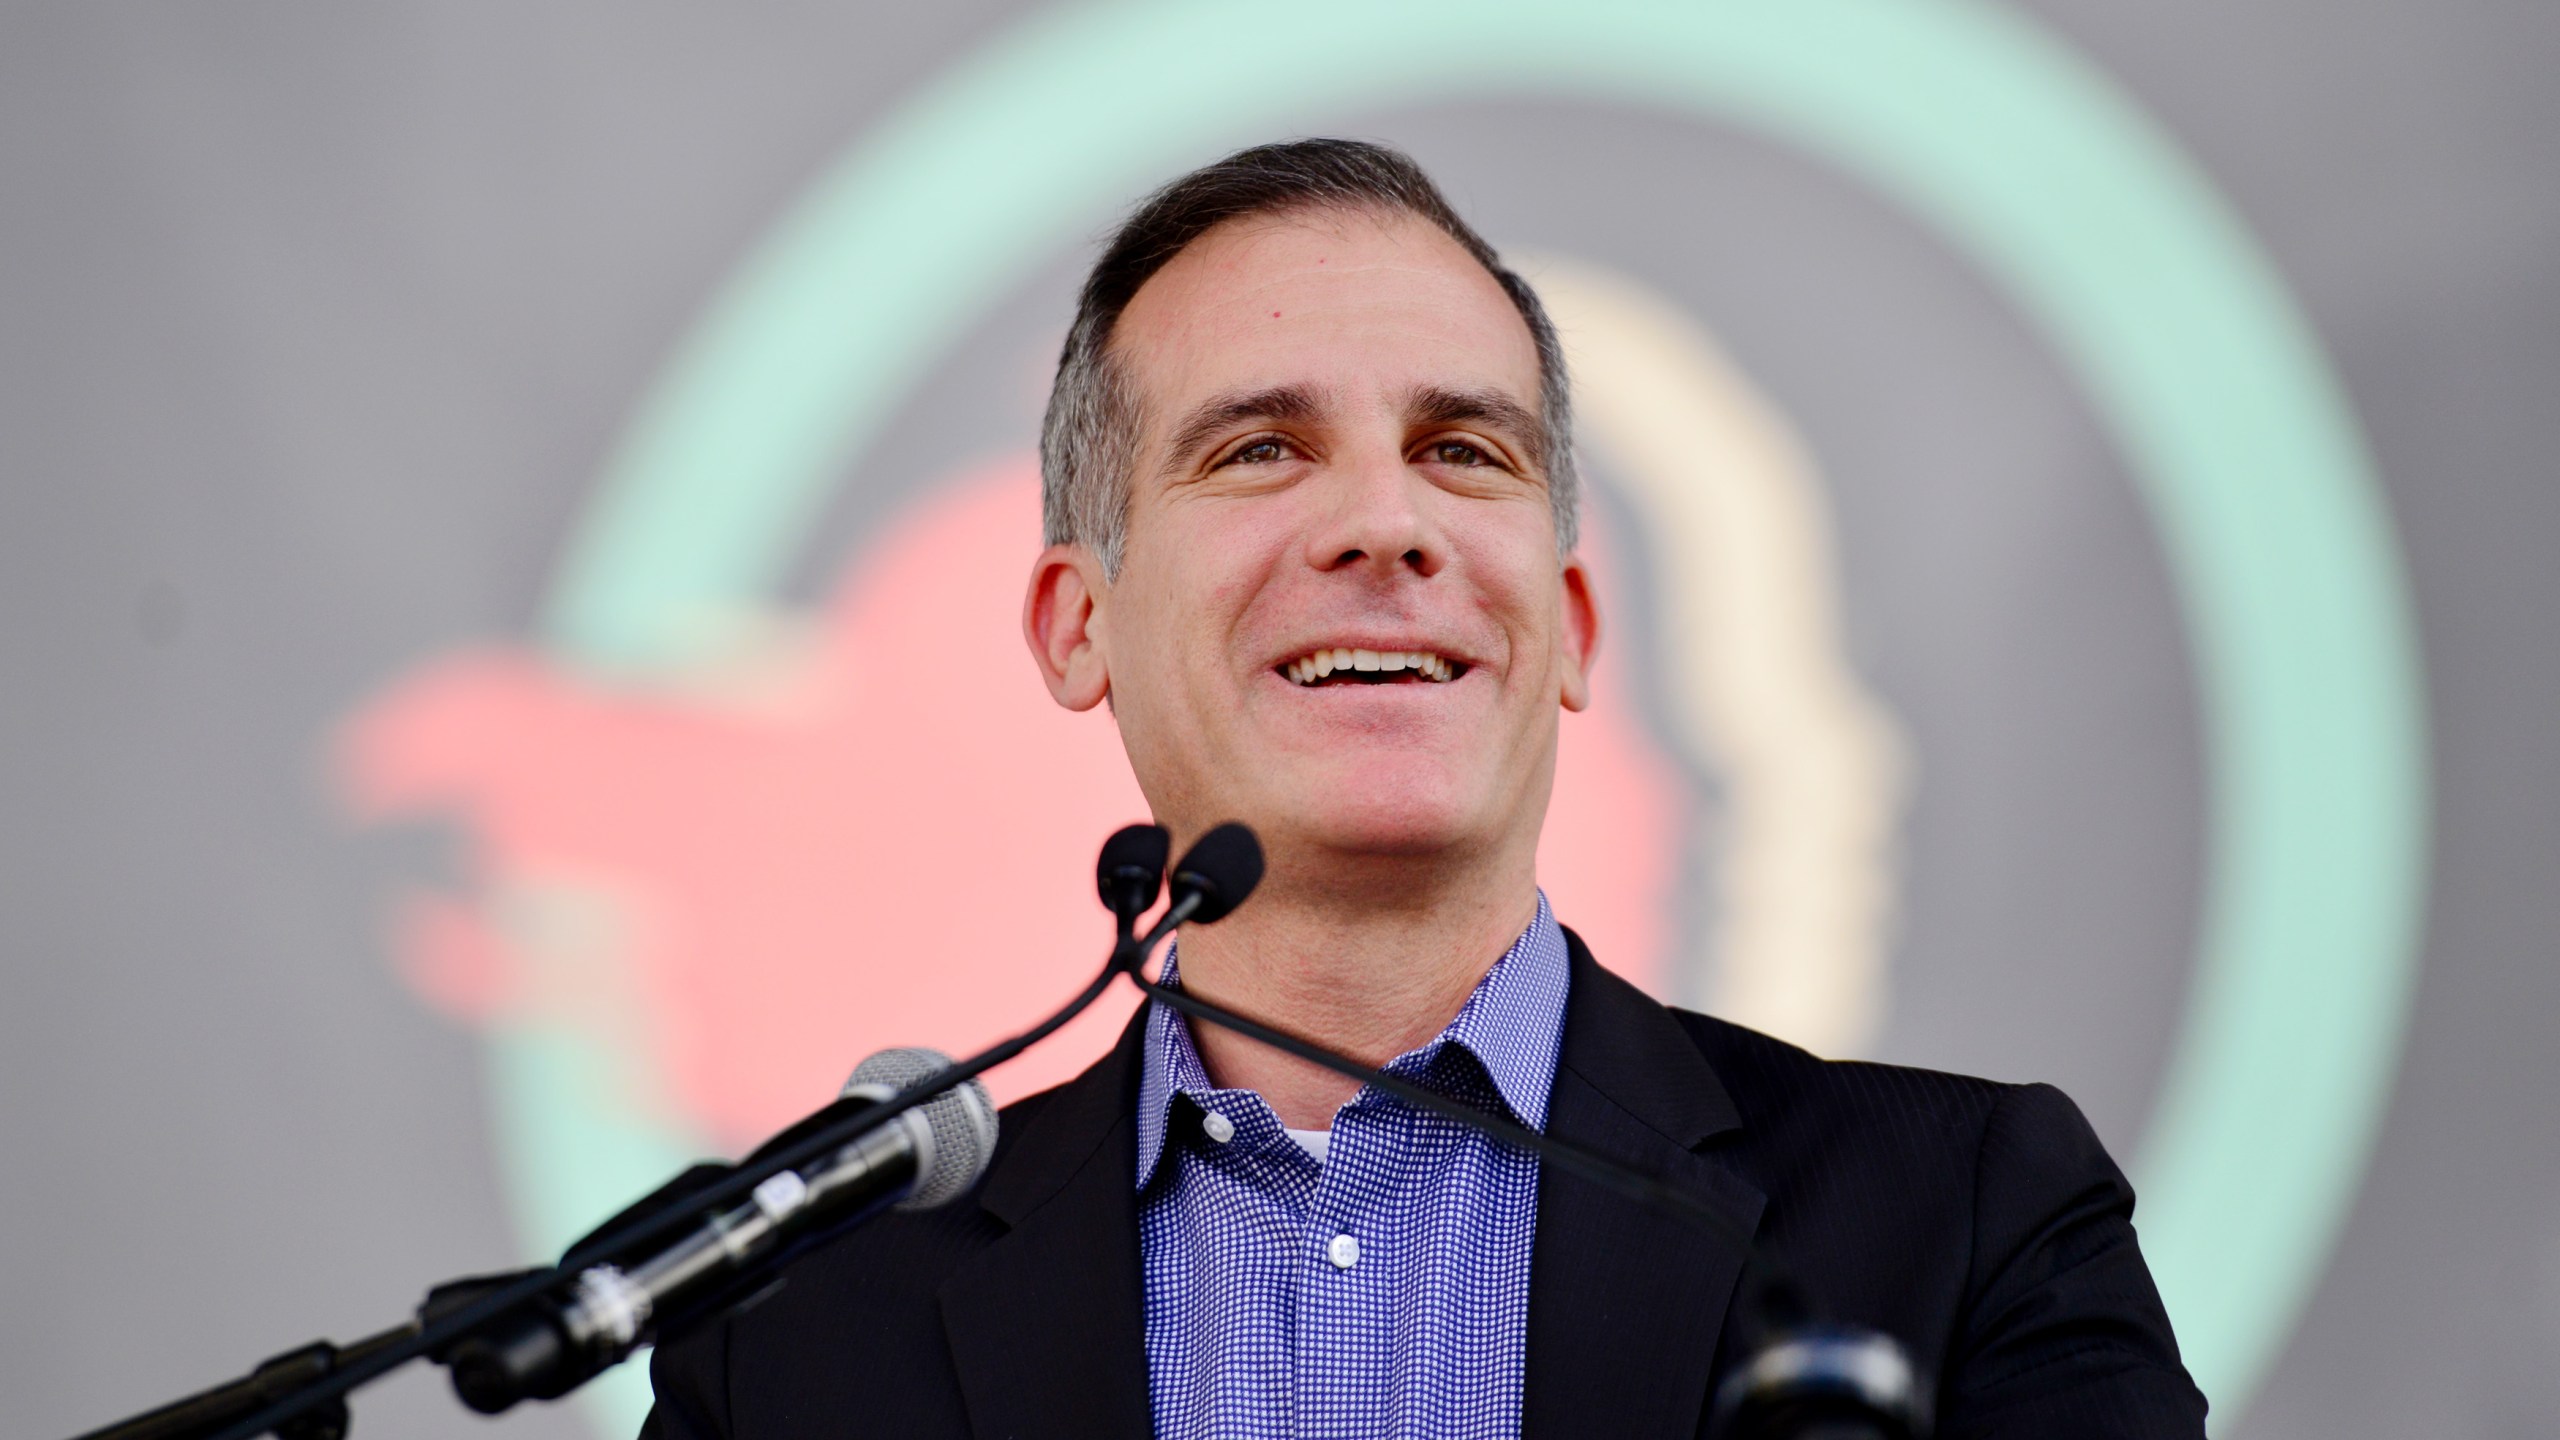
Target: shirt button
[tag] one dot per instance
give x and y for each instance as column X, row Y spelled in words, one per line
column 1344, row 1252
column 1217, row 1127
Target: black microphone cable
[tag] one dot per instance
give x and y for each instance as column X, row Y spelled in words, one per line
column 1632, row 1184
column 1219, row 870
column 1804, row 1377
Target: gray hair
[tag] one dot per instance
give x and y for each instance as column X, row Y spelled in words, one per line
column 1089, row 438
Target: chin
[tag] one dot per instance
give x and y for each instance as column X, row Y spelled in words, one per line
column 1388, row 820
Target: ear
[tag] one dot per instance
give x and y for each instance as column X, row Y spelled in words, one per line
column 1580, row 640
column 1062, row 621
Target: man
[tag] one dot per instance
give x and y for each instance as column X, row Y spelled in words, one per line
column 1311, row 512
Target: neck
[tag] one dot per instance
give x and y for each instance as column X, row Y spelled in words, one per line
column 1365, row 959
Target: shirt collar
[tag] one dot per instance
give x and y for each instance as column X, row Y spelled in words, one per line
column 1512, row 1023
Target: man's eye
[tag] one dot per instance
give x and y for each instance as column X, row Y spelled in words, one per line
column 1260, row 452
column 1458, row 452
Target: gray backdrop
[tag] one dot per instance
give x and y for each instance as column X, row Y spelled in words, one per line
column 315, row 325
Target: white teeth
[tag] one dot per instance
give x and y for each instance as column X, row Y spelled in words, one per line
column 1311, row 668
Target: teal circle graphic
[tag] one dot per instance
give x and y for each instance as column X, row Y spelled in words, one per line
column 2020, row 155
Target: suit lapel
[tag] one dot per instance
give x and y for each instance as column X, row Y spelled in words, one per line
column 1626, row 1303
column 1048, row 1325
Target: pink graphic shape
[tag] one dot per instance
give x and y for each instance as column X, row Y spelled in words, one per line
column 788, row 871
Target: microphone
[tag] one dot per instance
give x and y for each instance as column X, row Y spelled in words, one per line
column 1823, row 1381
column 927, row 1156
column 1215, row 875
column 1131, row 870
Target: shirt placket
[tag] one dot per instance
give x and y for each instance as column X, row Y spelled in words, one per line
column 1250, row 1198
column 1349, row 1270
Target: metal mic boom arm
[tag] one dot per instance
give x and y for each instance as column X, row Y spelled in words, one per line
column 316, row 1392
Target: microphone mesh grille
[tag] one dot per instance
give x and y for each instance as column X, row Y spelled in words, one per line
column 962, row 1120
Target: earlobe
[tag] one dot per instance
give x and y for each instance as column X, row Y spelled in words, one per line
column 1061, row 620
column 1580, row 640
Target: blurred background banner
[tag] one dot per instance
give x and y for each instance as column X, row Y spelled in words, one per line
column 512, row 519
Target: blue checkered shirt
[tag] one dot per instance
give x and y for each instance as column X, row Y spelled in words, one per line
column 1384, row 1292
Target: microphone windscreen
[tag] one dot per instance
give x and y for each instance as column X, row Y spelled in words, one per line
column 1223, row 866
column 1131, row 869
column 961, row 1122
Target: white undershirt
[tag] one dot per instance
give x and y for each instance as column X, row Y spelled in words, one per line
column 1313, row 1141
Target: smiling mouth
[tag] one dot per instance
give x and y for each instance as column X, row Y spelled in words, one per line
column 1339, row 666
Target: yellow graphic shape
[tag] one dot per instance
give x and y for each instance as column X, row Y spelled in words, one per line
column 1757, row 682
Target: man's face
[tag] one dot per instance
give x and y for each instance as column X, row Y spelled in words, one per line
column 1339, row 460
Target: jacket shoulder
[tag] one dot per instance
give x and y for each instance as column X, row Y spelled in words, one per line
column 1981, row 1221
column 1961, row 1158
column 1779, row 1086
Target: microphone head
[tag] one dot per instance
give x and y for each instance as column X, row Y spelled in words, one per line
column 1823, row 1380
column 1221, row 867
column 1131, row 869
column 954, row 1132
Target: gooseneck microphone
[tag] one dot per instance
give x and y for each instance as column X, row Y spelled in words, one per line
column 925, row 1157
column 1131, row 870
column 1215, row 875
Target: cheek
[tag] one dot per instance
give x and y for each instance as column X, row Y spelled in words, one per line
column 1180, row 602
column 1516, row 583
column 1206, row 562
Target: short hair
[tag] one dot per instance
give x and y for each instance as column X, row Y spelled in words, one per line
column 1089, row 437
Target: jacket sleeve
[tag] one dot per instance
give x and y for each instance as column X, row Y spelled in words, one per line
column 2063, row 1332
column 691, row 1381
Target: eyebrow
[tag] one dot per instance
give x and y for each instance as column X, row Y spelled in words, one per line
column 1432, row 405
column 1221, row 412
column 1425, row 405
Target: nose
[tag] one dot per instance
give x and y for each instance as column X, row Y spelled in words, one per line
column 1377, row 518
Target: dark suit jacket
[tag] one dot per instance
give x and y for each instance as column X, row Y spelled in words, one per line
column 1982, row 1224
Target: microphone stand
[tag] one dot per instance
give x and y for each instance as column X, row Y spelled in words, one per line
column 275, row 1379
column 301, row 1394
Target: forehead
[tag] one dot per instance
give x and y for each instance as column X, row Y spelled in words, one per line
column 1355, row 302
